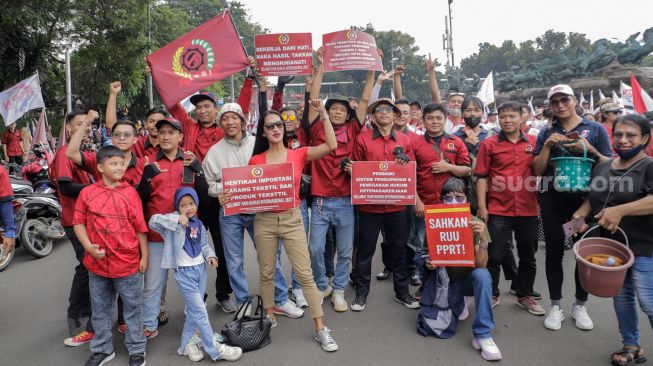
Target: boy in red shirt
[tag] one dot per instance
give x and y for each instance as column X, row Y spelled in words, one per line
column 110, row 225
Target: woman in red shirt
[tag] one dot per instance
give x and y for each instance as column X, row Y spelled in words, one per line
column 287, row 226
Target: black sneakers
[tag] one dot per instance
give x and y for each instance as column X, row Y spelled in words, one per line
column 99, row 359
column 359, row 303
column 408, row 301
column 137, row 360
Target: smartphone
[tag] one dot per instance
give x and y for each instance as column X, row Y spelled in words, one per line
column 189, row 176
column 573, row 135
column 573, row 227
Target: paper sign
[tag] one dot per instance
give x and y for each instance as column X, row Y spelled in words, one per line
column 284, row 54
column 350, row 50
column 259, row 188
column 449, row 235
column 382, row 183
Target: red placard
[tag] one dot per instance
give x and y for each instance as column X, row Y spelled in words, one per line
column 259, row 188
column 382, row 183
column 350, row 50
column 284, row 54
column 449, row 235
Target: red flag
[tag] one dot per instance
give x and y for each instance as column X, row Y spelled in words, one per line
column 199, row 58
column 638, row 103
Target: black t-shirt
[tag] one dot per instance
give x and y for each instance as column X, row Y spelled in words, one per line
column 634, row 185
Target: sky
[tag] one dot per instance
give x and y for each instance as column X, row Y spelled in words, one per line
column 474, row 21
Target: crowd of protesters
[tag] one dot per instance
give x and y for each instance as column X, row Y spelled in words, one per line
column 146, row 201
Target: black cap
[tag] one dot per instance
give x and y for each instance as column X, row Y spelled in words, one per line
column 171, row 121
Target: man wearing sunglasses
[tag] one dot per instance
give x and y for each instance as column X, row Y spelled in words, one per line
column 564, row 136
column 611, row 113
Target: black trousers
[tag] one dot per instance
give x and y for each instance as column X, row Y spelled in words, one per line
column 209, row 213
column 557, row 209
column 79, row 298
column 396, row 235
column 501, row 230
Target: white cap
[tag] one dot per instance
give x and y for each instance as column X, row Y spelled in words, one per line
column 560, row 89
column 231, row 107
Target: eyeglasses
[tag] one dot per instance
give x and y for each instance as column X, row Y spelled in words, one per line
column 272, row 126
column 615, row 112
column 122, row 135
column 454, row 199
column 290, row 117
column 380, row 109
column 562, row 101
column 629, row 136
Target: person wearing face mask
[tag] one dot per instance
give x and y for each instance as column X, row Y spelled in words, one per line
column 564, row 136
column 472, row 133
column 628, row 206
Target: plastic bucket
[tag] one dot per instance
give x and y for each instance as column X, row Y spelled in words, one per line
column 572, row 174
column 599, row 280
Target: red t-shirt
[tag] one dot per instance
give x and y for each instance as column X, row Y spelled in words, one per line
column 328, row 180
column 429, row 184
column 143, row 147
column 298, row 158
column 12, row 141
column 512, row 185
column 6, row 192
column 197, row 139
column 63, row 169
column 132, row 174
column 372, row 146
column 112, row 217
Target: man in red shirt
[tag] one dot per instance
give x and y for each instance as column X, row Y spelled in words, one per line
column 382, row 143
column 69, row 179
column 109, row 223
column 12, row 146
column 330, row 186
column 505, row 176
column 168, row 169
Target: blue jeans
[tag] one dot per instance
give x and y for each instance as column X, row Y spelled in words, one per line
column 103, row 292
column 339, row 212
column 420, row 238
column 638, row 285
column 478, row 284
column 233, row 241
column 155, row 281
column 191, row 282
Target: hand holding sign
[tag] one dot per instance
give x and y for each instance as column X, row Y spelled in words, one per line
column 351, row 50
column 449, row 235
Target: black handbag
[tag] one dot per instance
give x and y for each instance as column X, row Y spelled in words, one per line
column 248, row 332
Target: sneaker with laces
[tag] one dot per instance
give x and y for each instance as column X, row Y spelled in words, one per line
column 495, row 301
column 338, row 301
column 122, row 328
column 227, row 305
column 80, row 339
column 228, row 353
column 288, row 309
column 383, row 275
column 408, row 301
column 326, row 292
column 137, row 359
column 299, row 298
column 193, row 351
column 273, row 320
column 583, row 321
column 415, row 280
column 555, row 318
column 324, row 338
column 359, row 303
column 99, row 359
column 529, row 303
column 489, row 349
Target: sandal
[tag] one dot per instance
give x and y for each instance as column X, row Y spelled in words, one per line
column 631, row 356
column 162, row 318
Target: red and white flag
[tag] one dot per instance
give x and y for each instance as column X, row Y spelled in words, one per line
column 20, row 98
column 642, row 102
column 197, row 59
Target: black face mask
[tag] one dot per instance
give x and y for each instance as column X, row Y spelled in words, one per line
column 473, row 121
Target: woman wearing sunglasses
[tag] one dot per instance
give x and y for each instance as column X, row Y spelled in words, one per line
column 287, row 226
column 564, row 136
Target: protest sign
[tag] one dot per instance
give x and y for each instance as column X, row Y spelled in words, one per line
column 350, row 50
column 382, row 183
column 449, row 235
column 284, row 54
column 259, row 188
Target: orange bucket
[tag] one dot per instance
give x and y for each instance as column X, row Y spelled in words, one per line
column 599, row 280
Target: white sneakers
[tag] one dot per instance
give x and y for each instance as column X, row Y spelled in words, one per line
column 228, row 353
column 193, row 351
column 288, row 309
column 489, row 349
column 555, row 318
column 583, row 321
column 300, row 300
column 326, row 292
column 338, row 301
